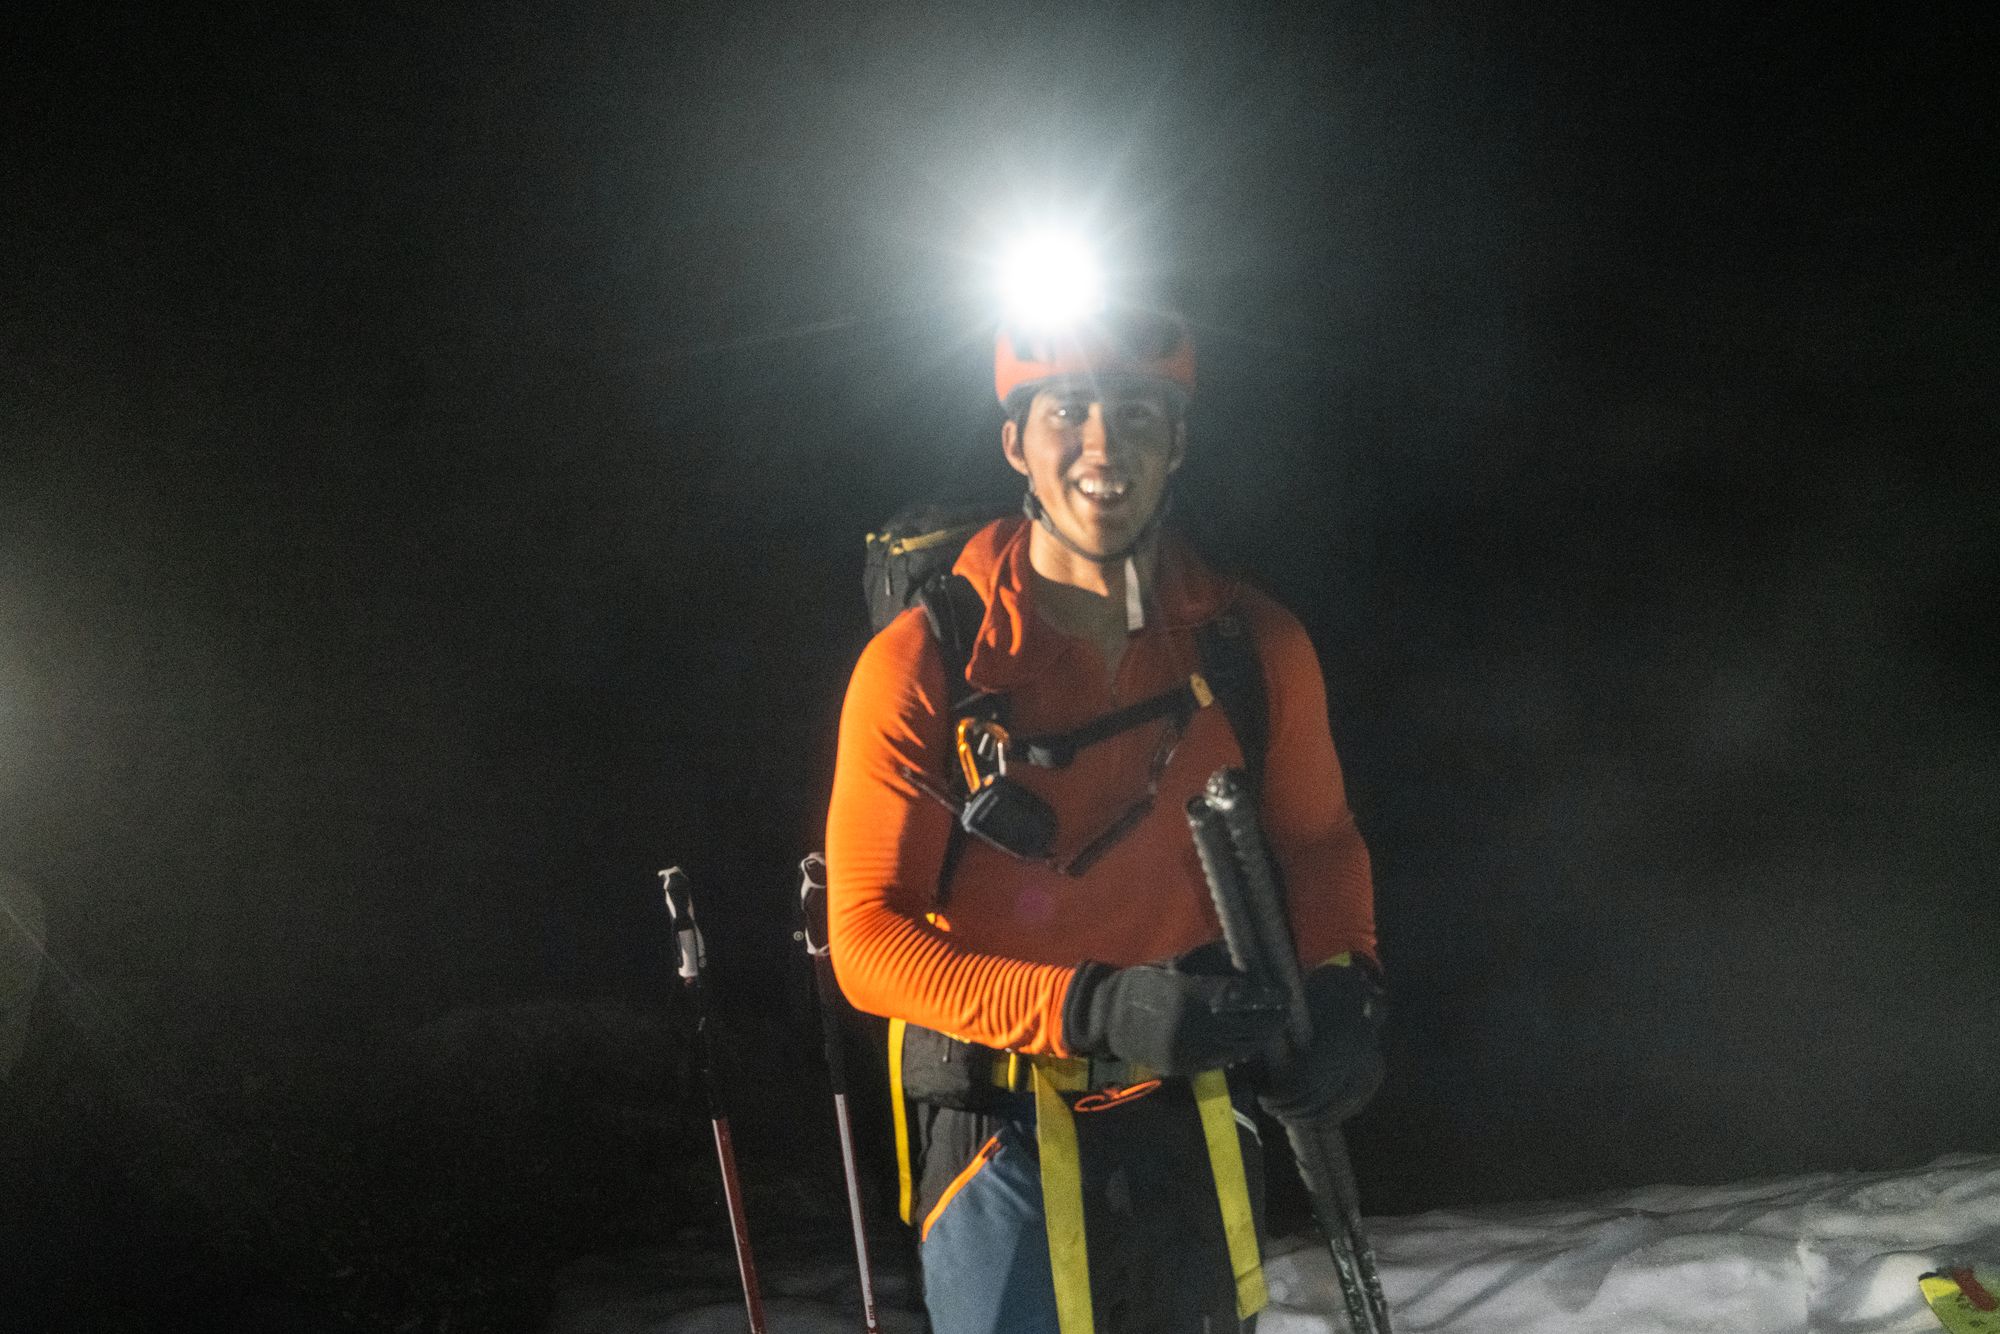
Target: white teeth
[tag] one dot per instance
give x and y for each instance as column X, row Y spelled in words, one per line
column 1101, row 488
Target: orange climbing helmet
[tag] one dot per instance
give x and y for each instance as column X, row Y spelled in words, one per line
column 1149, row 344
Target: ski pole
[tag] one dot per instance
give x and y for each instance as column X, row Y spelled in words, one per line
column 1243, row 880
column 693, row 955
column 812, row 907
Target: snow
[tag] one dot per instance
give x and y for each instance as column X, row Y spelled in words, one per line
column 1835, row 1253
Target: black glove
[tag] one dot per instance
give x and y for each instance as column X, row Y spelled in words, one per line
column 1340, row 1072
column 1178, row 1017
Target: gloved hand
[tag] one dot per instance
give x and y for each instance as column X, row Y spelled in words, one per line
column 1179, row 1017
column 1340, row 1072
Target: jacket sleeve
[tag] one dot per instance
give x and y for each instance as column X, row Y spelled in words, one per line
column 885, row 847
column 1328, row 879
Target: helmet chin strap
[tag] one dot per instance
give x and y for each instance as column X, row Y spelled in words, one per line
column 1135, row 607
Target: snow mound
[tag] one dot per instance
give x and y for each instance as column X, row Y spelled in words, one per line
column 1835, row 1253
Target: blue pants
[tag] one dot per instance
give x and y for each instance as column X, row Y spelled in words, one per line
column 1159, row 1261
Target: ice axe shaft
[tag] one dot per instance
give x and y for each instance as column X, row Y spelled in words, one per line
column 1250, row 901
column 812, row 908
column 693, row 957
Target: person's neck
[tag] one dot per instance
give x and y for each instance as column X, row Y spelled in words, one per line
column 1085, row 599
column 1057, row 564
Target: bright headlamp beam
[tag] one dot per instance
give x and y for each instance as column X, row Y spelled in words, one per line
column 1050, row 280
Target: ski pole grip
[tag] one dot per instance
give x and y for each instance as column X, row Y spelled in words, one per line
column 1250, row 901
column 832, row 1004
column 812, row 903
column 1225, row 887
column 1230, row 795
column 679, row 892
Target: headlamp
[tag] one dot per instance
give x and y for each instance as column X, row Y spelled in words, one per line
column 1050, row 281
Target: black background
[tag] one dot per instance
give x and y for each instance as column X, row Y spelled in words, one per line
column 437, row 445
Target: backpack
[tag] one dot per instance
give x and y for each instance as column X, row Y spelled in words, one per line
column 914, row 549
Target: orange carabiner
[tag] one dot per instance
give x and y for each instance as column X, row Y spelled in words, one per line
column 971, row 732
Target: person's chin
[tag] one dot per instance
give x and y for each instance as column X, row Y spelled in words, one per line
column 1099, row 537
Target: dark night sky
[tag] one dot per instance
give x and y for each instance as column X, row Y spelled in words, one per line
column 436, row 449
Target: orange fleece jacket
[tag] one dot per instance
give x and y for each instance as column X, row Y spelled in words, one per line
column 995, row 963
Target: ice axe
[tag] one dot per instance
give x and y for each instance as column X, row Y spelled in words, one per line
column 1243, row 880
column 693, row 956
column 812, row 933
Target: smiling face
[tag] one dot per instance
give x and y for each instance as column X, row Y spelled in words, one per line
column 1098, row 456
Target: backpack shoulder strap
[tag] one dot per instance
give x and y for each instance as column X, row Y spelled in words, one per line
column 1236, row 675
column 955, row 612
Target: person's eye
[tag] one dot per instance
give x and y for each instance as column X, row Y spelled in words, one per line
column 1070, row 413
column 1138, row 415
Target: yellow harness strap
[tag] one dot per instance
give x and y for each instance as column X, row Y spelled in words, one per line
column 1062, row 1204
column 1232, row 1190
column 899, row 1109
column 1062, row 1189
column 1062, row 1178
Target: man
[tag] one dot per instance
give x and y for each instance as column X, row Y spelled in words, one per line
column 1100, row 1176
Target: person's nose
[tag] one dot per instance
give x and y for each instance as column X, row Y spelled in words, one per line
column 1100, row 443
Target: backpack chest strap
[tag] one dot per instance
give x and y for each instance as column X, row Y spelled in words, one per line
column 1057, row 750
